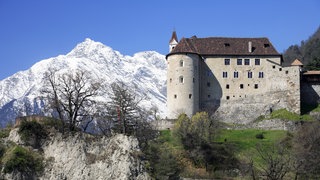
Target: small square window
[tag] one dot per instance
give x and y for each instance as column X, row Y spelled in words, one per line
column 287, row 72
column 249, row 74
column 239, row 61
column 256, row 86
column 228, row 97
column 273, row 67
column 236, row 74
column 226, row 61
column 175, row 96
column 208, row 84
column 280, row 69
column 190, row 96
column 224, row 74
column 226, row 45
column 257, row 61
column 260, row 74
column 227, row 86
column 241, row 86
column 247, row 62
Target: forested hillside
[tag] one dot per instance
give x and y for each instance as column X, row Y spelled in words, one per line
column 308, row 52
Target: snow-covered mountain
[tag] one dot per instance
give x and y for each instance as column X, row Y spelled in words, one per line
column 20, row 93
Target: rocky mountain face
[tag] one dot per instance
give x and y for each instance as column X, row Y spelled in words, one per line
column 20, row 94
column 82, row 156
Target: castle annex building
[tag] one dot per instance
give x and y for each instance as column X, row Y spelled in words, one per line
column 236, row 79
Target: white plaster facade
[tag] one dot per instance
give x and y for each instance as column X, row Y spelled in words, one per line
column 230, row 85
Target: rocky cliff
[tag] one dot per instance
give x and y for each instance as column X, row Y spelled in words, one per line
column 82, row 156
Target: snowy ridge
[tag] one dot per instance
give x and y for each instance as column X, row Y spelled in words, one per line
column 20, row 93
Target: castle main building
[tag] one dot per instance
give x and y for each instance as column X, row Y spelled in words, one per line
column 235, row 79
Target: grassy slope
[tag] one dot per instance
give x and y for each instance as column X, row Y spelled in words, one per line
column 244, row 142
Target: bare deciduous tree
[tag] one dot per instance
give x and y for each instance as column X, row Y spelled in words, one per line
column 276, row 161
column 71, row 96
column 306, row 148
column 124, row 114
column 124, row 108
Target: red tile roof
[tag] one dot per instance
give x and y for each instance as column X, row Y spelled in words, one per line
column 225, row 46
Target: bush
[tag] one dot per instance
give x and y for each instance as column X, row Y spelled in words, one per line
column 21, row 160
column 31, row 133
column 163, row 163
column 2, row 150
column 4, row 132
column 260, row 136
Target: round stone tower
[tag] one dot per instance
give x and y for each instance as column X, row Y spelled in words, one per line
column 183, row 84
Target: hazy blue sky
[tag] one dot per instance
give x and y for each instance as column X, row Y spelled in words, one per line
column 34, row 30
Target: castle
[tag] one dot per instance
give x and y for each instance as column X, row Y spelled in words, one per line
column 234, row 79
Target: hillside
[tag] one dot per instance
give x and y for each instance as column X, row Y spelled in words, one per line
column 20, row 94
column 307, row 51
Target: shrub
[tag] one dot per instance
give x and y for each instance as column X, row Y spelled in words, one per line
column 4, row 132
column 31, row 133
column 260, row 136
column 19, row 159
column 2, row 150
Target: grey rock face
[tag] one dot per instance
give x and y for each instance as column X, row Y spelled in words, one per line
column 83, row 156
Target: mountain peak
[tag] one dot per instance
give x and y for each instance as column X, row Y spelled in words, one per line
column 21, row 93
column 87, row 48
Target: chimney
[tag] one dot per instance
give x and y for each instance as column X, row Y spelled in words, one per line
column 250, row 46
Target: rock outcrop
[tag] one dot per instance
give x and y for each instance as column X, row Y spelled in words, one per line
column 82, row 156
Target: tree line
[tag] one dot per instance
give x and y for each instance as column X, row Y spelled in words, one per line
column 308, row 52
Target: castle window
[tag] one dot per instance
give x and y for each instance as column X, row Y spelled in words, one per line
column 287, row 72
column 208, row 84
column 247, row 62
column 227, row 86
column 181, row 63
column 228, row 97
column 249, row 74
column 190, row 96
column 175, row 96
column 224, row 74
column 226, row 61
column 260, row 74
column 239, row 61
column 181, row 79
column 256, row 86
column 226, row 45
column 280, row 69
column 266, row 45
column 257, row 62
column 241, row 86
column 273, row 67
column 236, row 74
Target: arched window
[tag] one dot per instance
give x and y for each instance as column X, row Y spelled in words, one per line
column 181, row 63
column 181, row 79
